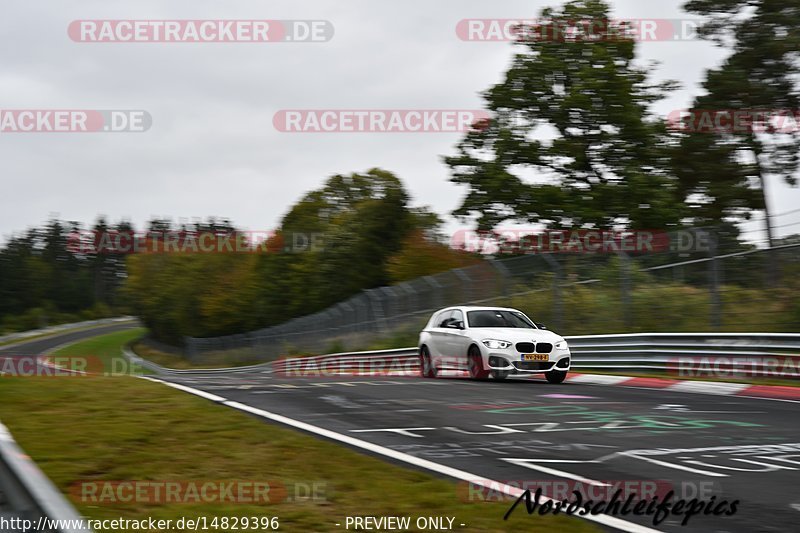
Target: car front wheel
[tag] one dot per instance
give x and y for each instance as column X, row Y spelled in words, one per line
column 475, row 364
column 556, row 376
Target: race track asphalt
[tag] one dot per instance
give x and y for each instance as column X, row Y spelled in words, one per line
column 529, row 433
column 526, row 432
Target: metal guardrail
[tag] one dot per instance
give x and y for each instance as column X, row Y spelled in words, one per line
column 756, row 353
column 30, row 495
column 633, row 351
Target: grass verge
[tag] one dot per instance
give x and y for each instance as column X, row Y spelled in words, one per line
column 95, row 428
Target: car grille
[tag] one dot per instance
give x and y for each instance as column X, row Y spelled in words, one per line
column 533, row 365
column 529, row 347
column 526, row 347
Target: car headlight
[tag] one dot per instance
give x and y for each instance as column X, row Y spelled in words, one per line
column 494, row 344
column 561, row 345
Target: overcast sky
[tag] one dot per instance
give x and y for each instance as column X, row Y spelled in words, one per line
column 212, row 148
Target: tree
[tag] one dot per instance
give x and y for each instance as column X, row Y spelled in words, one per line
column 761, row 74
column 602, row 166
column 423, row 256
column 335, row 242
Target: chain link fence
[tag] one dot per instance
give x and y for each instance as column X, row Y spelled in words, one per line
column 676, row 290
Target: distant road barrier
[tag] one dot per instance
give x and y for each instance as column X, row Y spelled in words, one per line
column 755, row 354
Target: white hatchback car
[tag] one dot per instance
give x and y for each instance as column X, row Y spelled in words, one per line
column 491, row 340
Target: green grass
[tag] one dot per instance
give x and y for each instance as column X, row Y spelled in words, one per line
column 103, row 353
column 96, row 428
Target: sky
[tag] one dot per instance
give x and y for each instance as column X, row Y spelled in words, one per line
column 212, row 149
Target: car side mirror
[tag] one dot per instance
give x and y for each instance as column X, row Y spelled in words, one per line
column 540, row 325
column 456, row 325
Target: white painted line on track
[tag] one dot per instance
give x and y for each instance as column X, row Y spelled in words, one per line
column 528, row 463
column 674, row 465
column 598, row 379
column 606, row 520
column 710, row 387
column 190, row 390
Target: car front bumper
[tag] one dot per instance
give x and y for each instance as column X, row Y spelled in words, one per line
column 558, row 360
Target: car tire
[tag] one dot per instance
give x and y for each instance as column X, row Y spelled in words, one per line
column 475, row 364
column 425, row 363
column 556, row 376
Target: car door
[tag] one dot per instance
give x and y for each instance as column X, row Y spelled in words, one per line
column 458, row 339
column 439, row 334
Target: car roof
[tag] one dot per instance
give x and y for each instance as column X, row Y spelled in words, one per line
column 478, row 308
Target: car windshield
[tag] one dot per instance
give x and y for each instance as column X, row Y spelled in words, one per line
column 498, row 319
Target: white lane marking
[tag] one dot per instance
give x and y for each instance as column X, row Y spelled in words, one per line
column 531, row 463
column 768, row 467
column 599, row 379
column 783, row 459
column 610, row 521
column 673, row 465
column 190, row 390
column 711, row 387
column 576, row 461
column 401, row 431
column 686, row 409
column 744, row 448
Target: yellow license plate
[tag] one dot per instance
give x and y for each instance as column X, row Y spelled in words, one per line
column 535, row 357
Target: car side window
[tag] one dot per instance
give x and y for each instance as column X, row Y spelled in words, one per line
column 458, row 316
column 444, row 319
